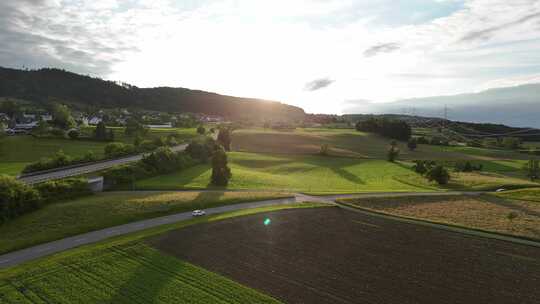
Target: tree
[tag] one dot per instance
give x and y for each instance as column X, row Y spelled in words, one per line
column 134, row 128
column 16, row 198
column 412, row 144
column 438, row 174
column 110, row 135
column 62, row 116
column 201, row 130
column 10, row 108
column 224, row 138
column 100, row 133
column 532, row 169
column 221, row 173
column 393, row 152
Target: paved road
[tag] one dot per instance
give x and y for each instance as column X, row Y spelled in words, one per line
column 31, row 253
column 87, row 169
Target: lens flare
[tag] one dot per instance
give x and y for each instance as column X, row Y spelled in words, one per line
column 267, row 222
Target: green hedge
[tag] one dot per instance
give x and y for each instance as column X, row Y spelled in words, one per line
column 16, row 198
column 53, row 191
column 162, row 161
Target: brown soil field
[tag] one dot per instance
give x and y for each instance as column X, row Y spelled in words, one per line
column 331, row 255
column 486, row 212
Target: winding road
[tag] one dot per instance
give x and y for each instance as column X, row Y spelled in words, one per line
column 31, row 253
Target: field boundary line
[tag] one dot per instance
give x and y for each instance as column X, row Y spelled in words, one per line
column 443, row 226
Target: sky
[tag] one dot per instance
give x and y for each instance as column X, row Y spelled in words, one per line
column 324, row 56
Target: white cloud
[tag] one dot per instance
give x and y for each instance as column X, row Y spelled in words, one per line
column 271, row 49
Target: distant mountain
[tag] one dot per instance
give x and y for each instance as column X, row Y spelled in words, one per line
column 83, row 91
column 515, row 106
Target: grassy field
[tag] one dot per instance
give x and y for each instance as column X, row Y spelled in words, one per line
column 305, row 173
column 531, row 194
column 485, row 212
column 119, row 135
column 59, row 220
column 18, row 151
column 319, row 175
column 124, row 270
column 349, row 142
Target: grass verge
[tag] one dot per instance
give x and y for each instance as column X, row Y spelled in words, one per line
column 56, row 221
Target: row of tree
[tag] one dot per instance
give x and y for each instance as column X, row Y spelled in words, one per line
column 390, row 128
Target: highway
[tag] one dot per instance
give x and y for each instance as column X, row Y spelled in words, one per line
column 83, row 169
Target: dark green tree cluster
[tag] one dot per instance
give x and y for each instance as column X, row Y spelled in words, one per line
column 62, row 116
column 390, row 128
column 224, row 137
column 135, row 128
column 102, row 134
column 467, row 166
column 202, row 148
column 393, row 152
column 16, row 198
column 201, row 130
column 532, row 169
column 439, row 174
column 221, row 173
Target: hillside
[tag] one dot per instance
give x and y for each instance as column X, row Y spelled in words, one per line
column 84, row 91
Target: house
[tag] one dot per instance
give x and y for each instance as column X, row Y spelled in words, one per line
column 161, row 126
column 29, row 116
column 26, row 126
column 46, row 117
column 94, row 120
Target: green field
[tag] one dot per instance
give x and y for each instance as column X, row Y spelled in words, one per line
column 349, row 142
column 306, row 173
column 59, row 220
column 18, row 151
column 125, row 270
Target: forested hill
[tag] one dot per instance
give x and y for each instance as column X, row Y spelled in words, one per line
column 83, row 91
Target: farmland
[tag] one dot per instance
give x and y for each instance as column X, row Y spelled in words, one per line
column 487, row 212
column 124, row 270
column 331, row 255
column 108, row 209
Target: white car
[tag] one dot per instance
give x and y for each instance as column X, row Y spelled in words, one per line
column 198, row 213
column 500, row 190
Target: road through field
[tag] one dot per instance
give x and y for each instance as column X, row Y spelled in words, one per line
column 31, row 253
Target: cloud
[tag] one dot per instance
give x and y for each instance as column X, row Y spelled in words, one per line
column 318, row 84
column 382, row 48
column 487, row 33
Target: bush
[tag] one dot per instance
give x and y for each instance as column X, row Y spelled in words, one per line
column 202, row 148
column 438, row 174
column 324, row 150
column 58, row 160
column 116, row 149
column 16, row 198
column 73, row 133
column 164, row 160
column 421, row 167
column 57, row 190
column 221, row 173
column 201, row 130
column 395, row 129
column 147, row 146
